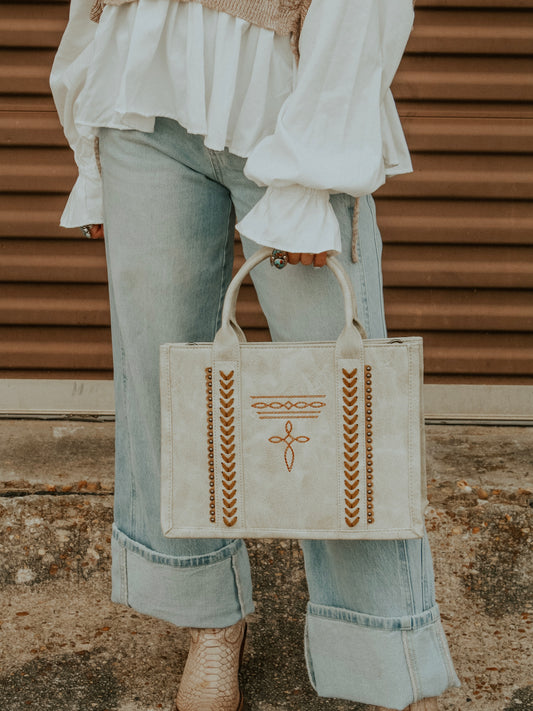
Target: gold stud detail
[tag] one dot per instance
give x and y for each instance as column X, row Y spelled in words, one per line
column 369, row 447
column 210, row 449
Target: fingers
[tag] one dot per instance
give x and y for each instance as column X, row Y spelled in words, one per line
column 97, row 232
column 318, row 260
column 294, row 257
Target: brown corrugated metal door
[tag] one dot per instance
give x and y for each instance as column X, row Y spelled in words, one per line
column 458, row 232
column 54, row 313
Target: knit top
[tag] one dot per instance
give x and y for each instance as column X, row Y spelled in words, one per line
column 325, row 125
column 284, row 17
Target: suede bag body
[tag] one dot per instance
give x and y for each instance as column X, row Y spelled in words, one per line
column 292, row 440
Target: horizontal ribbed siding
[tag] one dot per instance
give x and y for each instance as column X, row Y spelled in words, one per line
column 458, row 232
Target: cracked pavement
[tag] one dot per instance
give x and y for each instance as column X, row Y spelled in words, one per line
column 66, row 647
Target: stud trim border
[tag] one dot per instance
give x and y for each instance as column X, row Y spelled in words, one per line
column 369, row 448
column 210, row 444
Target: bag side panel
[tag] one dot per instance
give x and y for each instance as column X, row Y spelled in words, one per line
column 392, row 409
column 185, row 490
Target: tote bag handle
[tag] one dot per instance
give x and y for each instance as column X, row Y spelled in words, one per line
column 228, row 337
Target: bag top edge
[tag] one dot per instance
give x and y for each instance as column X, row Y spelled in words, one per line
column 405, row 341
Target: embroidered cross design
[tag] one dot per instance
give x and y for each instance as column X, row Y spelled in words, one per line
column 289, row 440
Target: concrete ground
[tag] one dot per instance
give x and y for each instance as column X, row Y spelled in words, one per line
column 65, row 647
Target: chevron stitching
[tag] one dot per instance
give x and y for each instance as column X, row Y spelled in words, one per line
column 351, row 447
column 227, row 454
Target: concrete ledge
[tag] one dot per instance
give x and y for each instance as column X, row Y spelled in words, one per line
column 452, row 403
column 56, row 456
column 67, row 648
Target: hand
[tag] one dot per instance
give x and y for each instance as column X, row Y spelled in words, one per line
column 317, row 260
column 97, row 232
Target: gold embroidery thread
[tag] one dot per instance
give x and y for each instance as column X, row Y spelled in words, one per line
column 351, row 448
column 289, row 440
column 268, row 407
column 288, row 405
column 227, row 448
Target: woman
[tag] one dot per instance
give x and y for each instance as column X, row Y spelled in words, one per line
column 277, row 115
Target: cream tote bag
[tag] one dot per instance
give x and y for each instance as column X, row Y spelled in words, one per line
column 292, row 440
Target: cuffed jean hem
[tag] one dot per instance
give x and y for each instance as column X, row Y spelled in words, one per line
column 385, row 661
column 212, row 590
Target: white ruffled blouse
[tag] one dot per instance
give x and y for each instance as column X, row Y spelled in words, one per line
column 324, row 125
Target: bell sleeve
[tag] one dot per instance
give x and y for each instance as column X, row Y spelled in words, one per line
column 67, row 78
column 338, row 131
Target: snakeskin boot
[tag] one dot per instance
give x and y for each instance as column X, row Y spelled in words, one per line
column 424, row 705
column 210, row 679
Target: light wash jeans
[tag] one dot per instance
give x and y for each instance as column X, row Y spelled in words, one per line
column 373, row 632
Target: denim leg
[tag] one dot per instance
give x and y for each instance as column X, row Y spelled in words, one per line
column 373, row 632
column 169, row 244
column 305, row 304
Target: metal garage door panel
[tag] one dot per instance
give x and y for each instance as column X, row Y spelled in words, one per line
column 25, row 170
column 31, row 128
column 459, row 310
column 464, row 78
column 54, row 348
column 52, row 261
column 36, row 215
column 25, row 72
column 54, row 304
column 465, row 222
column 32, row 25
column 458, row 233
column 458, row 266
column 462, row 177
column 472, row 31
